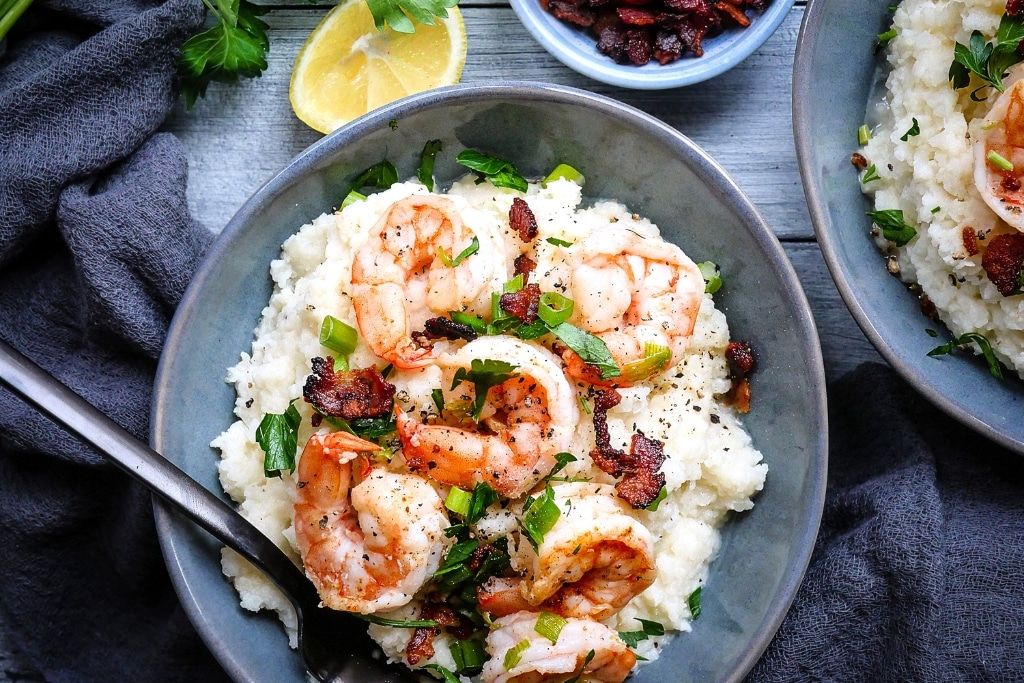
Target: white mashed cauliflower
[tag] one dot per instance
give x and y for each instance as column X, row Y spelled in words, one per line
column 712, row 467
column 930, row 176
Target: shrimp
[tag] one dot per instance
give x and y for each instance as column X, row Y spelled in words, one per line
column 525, row 421
column 398, row 276
column 595, row 559
column 1002, row 132
column 541, row 660
column 371, row 546
column 632, row 292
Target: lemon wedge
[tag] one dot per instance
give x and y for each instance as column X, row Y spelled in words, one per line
column 348, row 68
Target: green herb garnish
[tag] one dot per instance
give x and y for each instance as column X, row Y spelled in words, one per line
column 425, row 173
column 863, row 135
column 989, row 62
column 915, row 129
column 446, row 675
column 662, row 494
column 983, row 344
column 438, row 397
column 234, row 47
column 586, row 660
column 458, row 501
column 870, row 174
column 712, row 275
column 589, row 348
column 448, row 261
column 693, row 602
column 893, row 227
column 550, row 626
column 554, row 309
column 398, row 14
column 500, row 172
column 999, row 161
column 564, row 172
column 655, row 358
column 650, row 628
column 540, row 515
column 397, row 623
column 381, row 175
column 338, row 336
column 484, row 374
column 515, row 654
column 278, row 435
column 557, row 242
column 351, row 198
column 886, row 36
column 468, row 655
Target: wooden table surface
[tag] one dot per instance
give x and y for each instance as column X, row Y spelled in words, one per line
column 241, row 135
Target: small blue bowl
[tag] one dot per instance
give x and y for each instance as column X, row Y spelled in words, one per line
column 624, row 154
column 835, row 69
column 577, row 49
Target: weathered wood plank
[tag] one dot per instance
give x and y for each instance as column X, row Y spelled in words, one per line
column 241, row 135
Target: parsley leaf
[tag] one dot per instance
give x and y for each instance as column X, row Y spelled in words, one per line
column 236, row 46
column 693, row 602
column 650, row 628
column 381, row 175
column 561, row 460
column 586, row 660
column 446, row 675
column 500, row 172
column 983, row 344
column 588, row 347
column 449, row 262
column 870, row 174
column 989, row 61
column 558, row 242
column 425, row 173
column 915, row 130
column 484, row 374
column 398, row 14
column 894, row 227
column 278, row 435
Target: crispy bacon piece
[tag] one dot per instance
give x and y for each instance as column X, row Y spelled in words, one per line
column 970, row 239
column 349, row 394
column 520, row 215
column 858, row 161
column 738, row 395
column 639, row 471
column 734, row 13
column 522, row 304
column 573, row 14
column 741, row 358
column 1003, row 261
column 446, row 328
column 524, row 265
column 637, row 17
column 421, row 645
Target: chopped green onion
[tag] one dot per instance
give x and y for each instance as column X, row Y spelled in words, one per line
column 870, row 174
column 885, row 37
column 662, row 494
column 999, row 161
column 338, row 336
column 425, row 172
column 278, row 435
column 514, row 654
column 469, row 320
column 693, row 602
column 554, row 308
column 448, row 261
column 655, row 358
column 458, row 501
column 564, row 172
column 438, row 397
column 468, row 656
column 540, row 515
column 863, row 135
column 549, row 625
column 397, row 623
column 351, row 198
column 514, row 285
column 446, row 675
column 585, row 405
column 937, row 209
column 712, row 275
column 557, row 242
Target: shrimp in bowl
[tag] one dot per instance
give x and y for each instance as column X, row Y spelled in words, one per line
column 435, row 452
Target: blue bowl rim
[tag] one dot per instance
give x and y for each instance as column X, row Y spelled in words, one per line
column 687, row 71
column 706, row 168
column 827, row 242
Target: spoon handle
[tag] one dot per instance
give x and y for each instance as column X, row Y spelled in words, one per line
column 40, row 389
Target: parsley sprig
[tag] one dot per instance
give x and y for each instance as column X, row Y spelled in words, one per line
column 398, row 14
column 965, row 340
column 483, row 374
column 988, row 61
column 235, row 46
column 500, row 172
column 894, row 227
column 278, row 434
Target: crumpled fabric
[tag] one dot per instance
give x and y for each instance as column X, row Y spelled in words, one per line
column 918, row 570
column 96, row 249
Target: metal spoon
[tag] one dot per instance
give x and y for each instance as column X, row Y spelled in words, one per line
column 334, row 645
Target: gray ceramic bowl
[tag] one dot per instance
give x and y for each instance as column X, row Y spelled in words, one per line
column 835, row 66
column 624, row 154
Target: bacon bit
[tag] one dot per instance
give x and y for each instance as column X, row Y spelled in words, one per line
column 738, row 395
column 524, row 265
column 859, row 161
column 1010, row 183
column 522, row 220
column 970, row 239
column 316, row 419
column 446, row 328
column 741, row 359
column 349, row 394
column 1015, row 8
column 522, row 304
column 421, row 645
column 636, row 17
column 640, row 478
column 573, row 14
column 1003, row 261
column 734, row 13
column 928, row 307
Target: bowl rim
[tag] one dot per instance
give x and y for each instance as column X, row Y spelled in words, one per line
column 827, row 242
column 597, row 66
column 704, row 167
